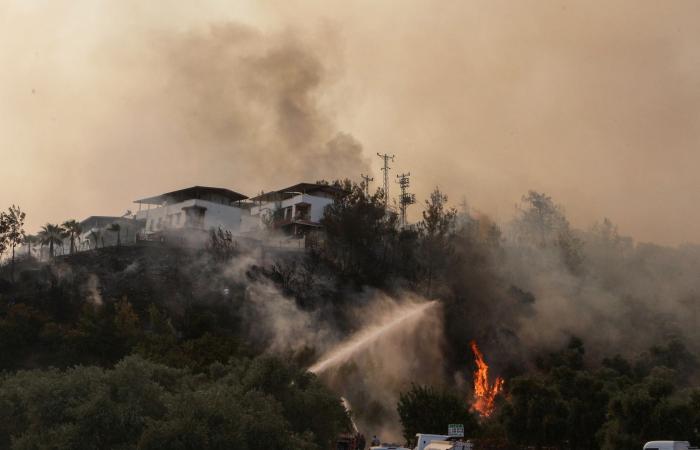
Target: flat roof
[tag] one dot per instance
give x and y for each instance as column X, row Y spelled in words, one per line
column 305, row 188
column 103, row 220
column 190, row 193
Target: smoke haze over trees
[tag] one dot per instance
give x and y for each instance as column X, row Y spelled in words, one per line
column 595, row 335
column 595, row 106
column 585, row 116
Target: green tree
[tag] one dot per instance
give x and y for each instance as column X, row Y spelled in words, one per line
column 584, row 393
column 305, row 401
column 586, row 404
column 359, row 236
column 141, row 404
column 73, row 230
column 423, row 409
column 12, row 232
column 536, row 414
column 436, row 227
column 649, row 409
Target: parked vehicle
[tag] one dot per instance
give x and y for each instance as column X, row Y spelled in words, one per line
column 668, row 445
column 451, row 444
column 423, row 439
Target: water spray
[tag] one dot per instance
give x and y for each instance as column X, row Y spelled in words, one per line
column 362, row 339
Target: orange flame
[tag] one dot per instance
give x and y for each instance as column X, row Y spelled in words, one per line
column 484, row 392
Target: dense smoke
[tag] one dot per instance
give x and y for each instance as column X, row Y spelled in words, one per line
column 244, row 103
column 273, row 319
column 572, row 99
column 490, row 98
column 526, row 296
column 520, row 292
column 215, row 103
column 625, row 299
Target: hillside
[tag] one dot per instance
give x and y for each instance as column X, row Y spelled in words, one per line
column 571, row 321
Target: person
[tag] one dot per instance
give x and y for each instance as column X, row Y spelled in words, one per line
column 360, row 442
column 376, row 441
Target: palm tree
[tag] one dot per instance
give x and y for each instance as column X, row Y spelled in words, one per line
column 30, row 240
column 51, row 235
column 116, row 228
column 96, row 235
column 73, row 230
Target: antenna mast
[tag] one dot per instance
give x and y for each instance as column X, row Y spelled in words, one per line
column 386, row 168
column 366, row 179
column 406, row 198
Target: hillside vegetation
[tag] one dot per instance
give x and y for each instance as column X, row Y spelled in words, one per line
column 155, row 346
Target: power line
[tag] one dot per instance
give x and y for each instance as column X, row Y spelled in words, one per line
column 385, row 169
column 406, row 198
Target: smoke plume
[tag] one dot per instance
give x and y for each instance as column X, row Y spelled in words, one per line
column 145, row 107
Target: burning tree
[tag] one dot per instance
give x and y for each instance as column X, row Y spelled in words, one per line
column 484, row 392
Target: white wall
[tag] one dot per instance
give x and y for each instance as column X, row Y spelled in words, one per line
column 318, row 204
column 174, row 217
column 85, row 240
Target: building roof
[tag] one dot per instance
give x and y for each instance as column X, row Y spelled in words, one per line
column 304, row 188
column 100, row 221
column 190, row 193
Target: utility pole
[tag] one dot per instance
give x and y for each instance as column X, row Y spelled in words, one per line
column 406, row 198
column 366, row 179
column 386, row 168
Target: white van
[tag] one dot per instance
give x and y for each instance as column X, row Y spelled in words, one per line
column 668, row 445
column 422, row 440
column 450, row 445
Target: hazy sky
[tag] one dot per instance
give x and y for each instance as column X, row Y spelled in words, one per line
column 595, row 103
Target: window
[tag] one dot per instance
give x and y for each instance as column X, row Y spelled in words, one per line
column 303, row 211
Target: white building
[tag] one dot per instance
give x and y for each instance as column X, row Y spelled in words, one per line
column 294, row 210
column 97, row 231
column 197, row 209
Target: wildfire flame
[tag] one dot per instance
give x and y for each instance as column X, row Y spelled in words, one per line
column 484, row 392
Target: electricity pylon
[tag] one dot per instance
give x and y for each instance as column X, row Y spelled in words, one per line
column 386, row 168
column 406, row 198
column 366, row 179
